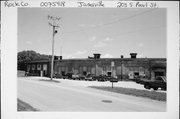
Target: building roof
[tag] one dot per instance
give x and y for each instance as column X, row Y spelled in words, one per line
column 82, row 59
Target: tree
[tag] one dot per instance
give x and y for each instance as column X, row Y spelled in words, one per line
column 29, row 55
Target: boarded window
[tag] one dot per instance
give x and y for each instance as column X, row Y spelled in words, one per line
column 141, row 69
column 45, row 67
column 33, row 67
column 28, row 67
column 38, row 67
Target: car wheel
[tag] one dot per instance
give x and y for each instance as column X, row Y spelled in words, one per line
column 163, row 89
column 146, row 86
column 155, row 88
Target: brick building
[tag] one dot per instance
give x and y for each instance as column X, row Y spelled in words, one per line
column 123, row 68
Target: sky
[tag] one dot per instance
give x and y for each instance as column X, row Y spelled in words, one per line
column 82, row 32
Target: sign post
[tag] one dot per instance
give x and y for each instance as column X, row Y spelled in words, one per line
column 112, row 72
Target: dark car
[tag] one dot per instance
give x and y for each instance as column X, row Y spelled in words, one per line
column 67, row 76
column 56, row 75
column 100, row 78
column 113, row 79
column 81, row 77
column 139, row 80
column 158, row 82
column 89, row 77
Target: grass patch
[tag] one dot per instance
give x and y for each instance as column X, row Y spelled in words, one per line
column 22, row 106
column 160, row 96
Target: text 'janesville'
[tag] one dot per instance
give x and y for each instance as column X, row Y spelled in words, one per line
column 91, row 4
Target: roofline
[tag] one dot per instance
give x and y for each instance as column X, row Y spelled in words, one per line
column 46, row 61
column 100, row 59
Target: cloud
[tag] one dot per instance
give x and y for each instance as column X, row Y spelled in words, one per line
column 75, row 54
column 28, row 42
column 140, row 45
column 141, row 55
column 92, row 38
column 80, row 52
column 68, row 56
column 39, row 41
column 107, row 56
column 100, row 44
column 108, row 39
column 81, row 25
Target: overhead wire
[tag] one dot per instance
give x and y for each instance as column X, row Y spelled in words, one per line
column 109, row 23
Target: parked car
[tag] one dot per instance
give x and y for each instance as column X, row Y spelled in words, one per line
column 113, row 79
column 139, row 80
column 158, row 82
column 67, row 76
column 100, row 78
column 81, row 77
column 75, row 76
column 89, row 77
column 56, row 75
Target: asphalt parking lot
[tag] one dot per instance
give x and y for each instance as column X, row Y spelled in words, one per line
column 77, row 95
column 82, row 83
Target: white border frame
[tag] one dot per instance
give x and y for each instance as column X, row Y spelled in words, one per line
column 9, row 69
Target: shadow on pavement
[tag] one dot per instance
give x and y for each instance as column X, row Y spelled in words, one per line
column 161, row 96
column 54, row 81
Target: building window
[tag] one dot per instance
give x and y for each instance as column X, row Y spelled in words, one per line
column 28, row 68
column 131, row 69
column 33, row 67
column 44, row 67
column 84, row 73
column 38, row 67
column 84, row 68
column 63, row 69
column 141, row 69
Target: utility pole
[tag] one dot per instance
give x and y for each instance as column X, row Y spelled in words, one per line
column 54, row 25
column 121, row 70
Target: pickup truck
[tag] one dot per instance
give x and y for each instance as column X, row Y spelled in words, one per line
column 158, row 82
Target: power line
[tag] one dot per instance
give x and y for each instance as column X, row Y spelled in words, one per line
column 139, row 30
column 109, row 23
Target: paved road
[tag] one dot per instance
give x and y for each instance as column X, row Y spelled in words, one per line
column 50, row 96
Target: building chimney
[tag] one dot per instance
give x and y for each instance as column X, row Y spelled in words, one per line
column 60, row 57
column 133, row 55
column 122, row 56
column 97, row 56
column 55, row 57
